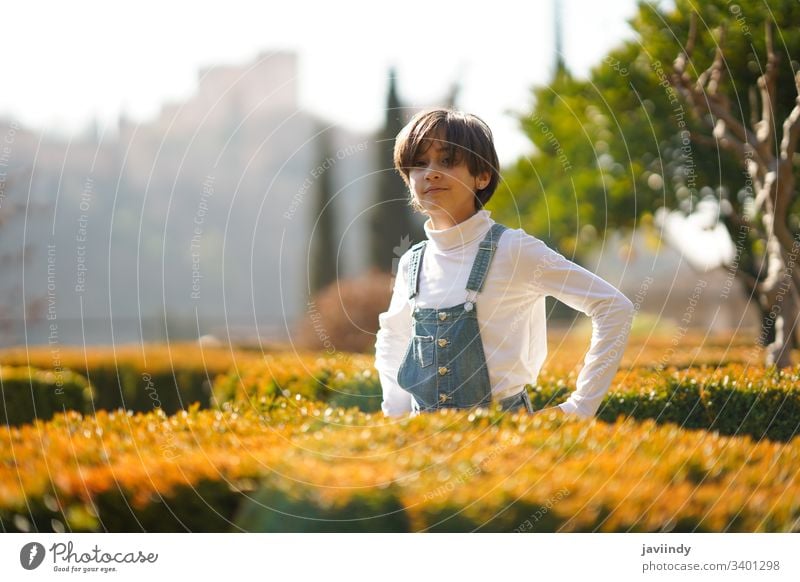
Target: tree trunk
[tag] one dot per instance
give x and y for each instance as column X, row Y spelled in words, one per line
column 779, row 298
column 771, row 170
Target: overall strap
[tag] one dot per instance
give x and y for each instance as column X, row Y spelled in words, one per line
column 414, row 264
column 483, row 259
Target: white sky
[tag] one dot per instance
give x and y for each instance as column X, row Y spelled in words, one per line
column 68, row 62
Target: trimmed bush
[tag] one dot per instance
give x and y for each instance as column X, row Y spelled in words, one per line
column 280, row 506
column 140, row 377
column 344, row 380
column 28, row 393
column 732, row 399
column 337, row 470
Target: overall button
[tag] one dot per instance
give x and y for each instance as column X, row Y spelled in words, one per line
column 443, row 371
column 442, row 342
column 443, row 316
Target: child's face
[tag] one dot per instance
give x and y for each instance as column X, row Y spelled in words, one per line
column 445, row 191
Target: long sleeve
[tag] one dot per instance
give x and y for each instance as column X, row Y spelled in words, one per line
column 391, row 343
column 611, row 312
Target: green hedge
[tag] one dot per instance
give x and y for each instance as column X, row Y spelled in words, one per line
column 344, row 382
column 28, row 393
column 131, row 388
column 139, row 377
column 283, row 506
column 732, row 400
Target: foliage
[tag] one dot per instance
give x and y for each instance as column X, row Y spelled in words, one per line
column 450, row 471
column 612, row 148
column 678, row 385
column 29, row 393
column 343, row 380
column 692, row 448
column 137, row 377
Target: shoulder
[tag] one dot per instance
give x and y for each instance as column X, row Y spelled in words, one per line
column 519, row 243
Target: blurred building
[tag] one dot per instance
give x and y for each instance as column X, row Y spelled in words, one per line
column 197, row 221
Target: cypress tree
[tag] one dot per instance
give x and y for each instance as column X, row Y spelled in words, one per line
column 393, row 223
column 323, row 257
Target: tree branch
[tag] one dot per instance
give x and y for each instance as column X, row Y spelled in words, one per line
column 704, row 97
column 753, row 99
column 703, row 139
column 765, row 128
column 791, row 128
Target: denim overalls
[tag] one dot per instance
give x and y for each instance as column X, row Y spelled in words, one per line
column 444, row 365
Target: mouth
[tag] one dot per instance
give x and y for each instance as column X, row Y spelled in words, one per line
column 432, row 190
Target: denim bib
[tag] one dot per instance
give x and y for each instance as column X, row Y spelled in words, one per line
column 445, row 365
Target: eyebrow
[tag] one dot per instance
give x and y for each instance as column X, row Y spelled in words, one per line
column 439, row 149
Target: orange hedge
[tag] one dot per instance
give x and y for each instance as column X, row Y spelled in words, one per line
column 305, row 466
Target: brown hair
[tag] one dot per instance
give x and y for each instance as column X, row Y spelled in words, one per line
column 466, row 136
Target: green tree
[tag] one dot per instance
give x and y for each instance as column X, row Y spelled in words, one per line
column 393, row 224
column 679, row 114
column 323, row 264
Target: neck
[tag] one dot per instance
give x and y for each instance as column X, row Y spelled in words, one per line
column 461, row 234
column 449, row 220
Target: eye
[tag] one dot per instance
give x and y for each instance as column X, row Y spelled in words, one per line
column 446, row 161
column 419, row 163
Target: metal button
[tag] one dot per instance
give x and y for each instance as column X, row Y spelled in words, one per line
column 468, row 306
column 442, row 342
column 443, row 371
column 443, row 316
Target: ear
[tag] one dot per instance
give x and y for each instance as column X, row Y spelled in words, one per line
column 482, row 180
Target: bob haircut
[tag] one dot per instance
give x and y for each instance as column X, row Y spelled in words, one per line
column 466, row 136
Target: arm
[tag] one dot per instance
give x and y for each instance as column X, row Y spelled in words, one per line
column 611, row 313
column 391, row 343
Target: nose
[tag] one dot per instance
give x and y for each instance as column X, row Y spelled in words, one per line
column 432, row 172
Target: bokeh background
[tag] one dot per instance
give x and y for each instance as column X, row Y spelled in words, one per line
column 200, row 224
column 179, row 171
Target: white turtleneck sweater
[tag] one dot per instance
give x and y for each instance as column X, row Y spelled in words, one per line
column 511, row 312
